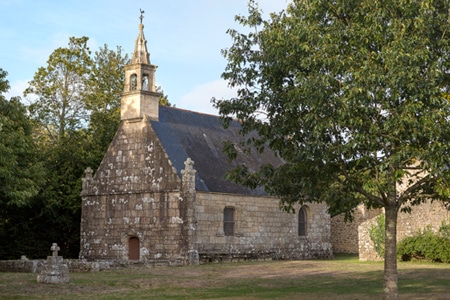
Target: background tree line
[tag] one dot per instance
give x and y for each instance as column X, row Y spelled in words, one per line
column 46, row 146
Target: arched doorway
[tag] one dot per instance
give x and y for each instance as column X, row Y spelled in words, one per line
column 133, row 248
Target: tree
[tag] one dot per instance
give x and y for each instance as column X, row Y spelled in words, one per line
column 75, row 118
column 21, row 173
column 106, row 79
column 102, row 96
column 19, row 168
column 164, row 99
column 351, row 94
column 60, row 88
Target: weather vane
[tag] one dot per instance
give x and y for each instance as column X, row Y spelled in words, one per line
column 142, row 14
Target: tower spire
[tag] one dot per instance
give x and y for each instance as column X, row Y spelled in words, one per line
column 140, row 98
column 140, row 54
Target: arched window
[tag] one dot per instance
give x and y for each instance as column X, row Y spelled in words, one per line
column 133, row 248
column 302, row 222
column 133, row 82
column 228, row 221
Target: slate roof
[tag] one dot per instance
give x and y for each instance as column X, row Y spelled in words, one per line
column 200, row 136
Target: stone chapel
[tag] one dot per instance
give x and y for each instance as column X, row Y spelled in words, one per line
column 160, row 194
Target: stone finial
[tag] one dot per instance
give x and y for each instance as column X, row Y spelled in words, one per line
column 55, row 249
column 188, row 165
column 86, row 180
column 188, row 175
column 88, row 173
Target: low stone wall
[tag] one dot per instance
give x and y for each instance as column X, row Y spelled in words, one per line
column 77, row 265
column 22, row 266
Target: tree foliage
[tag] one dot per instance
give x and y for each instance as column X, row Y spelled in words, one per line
column 105, row 80
column 73, row 121
column 351, row 95
column 20, row 170
column 60, row 88
column 164, row 99
column 376, row 234
column 103, row 89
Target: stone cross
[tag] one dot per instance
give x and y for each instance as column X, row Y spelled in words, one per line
column 188, row 176
column 55, row 249
column 188, row 164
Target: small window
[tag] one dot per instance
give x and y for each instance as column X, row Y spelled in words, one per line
column 302, row 222
column 228, row 221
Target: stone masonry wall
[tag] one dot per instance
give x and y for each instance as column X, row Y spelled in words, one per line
column 262, row 230
column 134, row 193
column 427, row 215
column 153, row 218
column 344, row 235
column 430, row 214
column 365, row 244
column 75, row 265
column 135, row 162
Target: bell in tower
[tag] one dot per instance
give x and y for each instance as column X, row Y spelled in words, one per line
column 140, row 98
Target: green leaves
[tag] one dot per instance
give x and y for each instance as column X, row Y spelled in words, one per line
column 20, row 172
column 355, row 89
column 352, row 95
column 60, row 87
column 42, row 158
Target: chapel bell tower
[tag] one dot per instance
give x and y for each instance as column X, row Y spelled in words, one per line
column 140, row 97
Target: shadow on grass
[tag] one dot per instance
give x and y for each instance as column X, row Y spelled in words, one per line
column 342, row 278
column 418, row 284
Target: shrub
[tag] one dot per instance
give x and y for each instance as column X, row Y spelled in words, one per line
column 445, row 230
column 377, row 235
column 426, row 245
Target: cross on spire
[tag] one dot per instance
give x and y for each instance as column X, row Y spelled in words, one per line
column 140, row 54
column 142, row 14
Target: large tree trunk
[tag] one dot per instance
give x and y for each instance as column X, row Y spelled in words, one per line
column 390, row 287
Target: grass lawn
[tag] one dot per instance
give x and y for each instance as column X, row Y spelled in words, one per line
column 342, row 278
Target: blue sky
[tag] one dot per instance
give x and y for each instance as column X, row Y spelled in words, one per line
column 184, row 38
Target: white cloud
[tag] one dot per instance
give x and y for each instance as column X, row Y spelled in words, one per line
column 269, row 6
column 199, row 99
column 17, row 88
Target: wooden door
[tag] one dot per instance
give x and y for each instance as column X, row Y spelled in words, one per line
column 133, row 248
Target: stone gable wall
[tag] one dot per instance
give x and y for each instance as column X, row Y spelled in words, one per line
column 134, row 162
column 134, row 193
column 262, row 230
